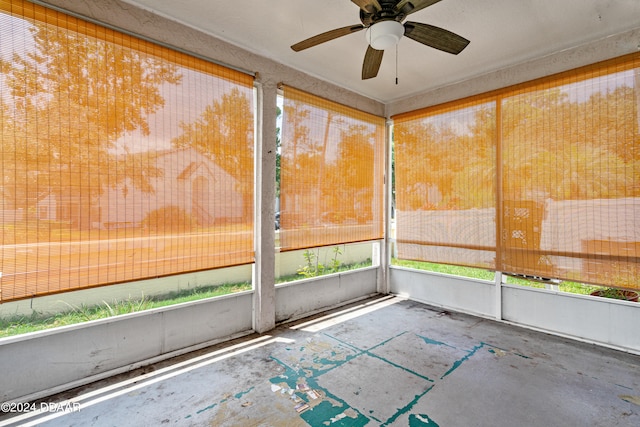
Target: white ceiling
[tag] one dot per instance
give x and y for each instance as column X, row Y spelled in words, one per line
column 502, row 33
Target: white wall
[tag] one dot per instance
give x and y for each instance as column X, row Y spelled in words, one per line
column 298, row 299
column 467, row 295
column 602, row 321
column 568, row 59
column 41, row 363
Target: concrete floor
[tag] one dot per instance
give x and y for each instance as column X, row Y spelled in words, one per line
column 380, row 362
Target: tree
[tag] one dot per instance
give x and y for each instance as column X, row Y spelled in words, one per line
column 278, row 153
column 570, row 150
column 298, row 153
column 447, row 161
column 618, row 122
column 349, row 183
column 224, row 133
column 70, row 98
column 412, row 158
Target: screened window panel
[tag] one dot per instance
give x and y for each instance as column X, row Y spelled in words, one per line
column 332, row 173
column 566, row 167
column 445, row 184
column 571, row 161
column 121, row 159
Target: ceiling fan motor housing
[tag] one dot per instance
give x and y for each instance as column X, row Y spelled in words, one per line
column 384, row 34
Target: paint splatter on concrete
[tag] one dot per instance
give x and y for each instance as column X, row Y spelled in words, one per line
column 301, row 389
column 326, row 407
column 323, row 354
column 421, row 420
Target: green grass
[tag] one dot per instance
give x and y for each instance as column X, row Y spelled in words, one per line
column 342, row 267
column 16, row 325
column 570, row 287
column 455, row 270
column 478, row 273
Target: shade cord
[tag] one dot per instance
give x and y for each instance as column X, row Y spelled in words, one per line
column 397, row 63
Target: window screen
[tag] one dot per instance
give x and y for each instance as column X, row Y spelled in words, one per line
column 571, row 184
column 121, row 159
column 566, row 166
column 445, row 184
column 332, row 173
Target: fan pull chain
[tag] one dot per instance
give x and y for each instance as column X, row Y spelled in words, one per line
column 397, row 63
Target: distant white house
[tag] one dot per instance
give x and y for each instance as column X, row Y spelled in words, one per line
column 187, row 179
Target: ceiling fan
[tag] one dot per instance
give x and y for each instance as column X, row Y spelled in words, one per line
column 382, row 20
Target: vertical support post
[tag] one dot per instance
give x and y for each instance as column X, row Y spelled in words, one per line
column 499, row 187
column 499, row 209
column 498, row 289
column 385, row 258
column 264, row 296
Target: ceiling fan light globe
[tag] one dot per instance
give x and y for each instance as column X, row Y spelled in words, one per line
column 385, row 34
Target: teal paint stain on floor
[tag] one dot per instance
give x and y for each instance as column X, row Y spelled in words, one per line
column 421, row 421
column 494, row 347
column 407, row 408
column 289, row 377
column 414, row 401
column 387, row 340
column 374, row 418
column 200, row 411
column 360, row 350
column 522, row 355
column 312, row 365
column 207, row 408
column 326, row 413
column 368, row 352
column 326, row 410
column 332, row 410
column 424, row 377
column 213, row 405
column 434, row 342
column 459, row 362
column 242, row 393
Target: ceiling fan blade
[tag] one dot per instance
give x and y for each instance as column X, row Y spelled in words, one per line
column 412, row 6
column 325, row 37
column 371, row 64
column 435, row 37
column 369, row 6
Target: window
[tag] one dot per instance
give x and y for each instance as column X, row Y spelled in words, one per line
column 540, row 179
column 332, row 173
column 129, row 160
